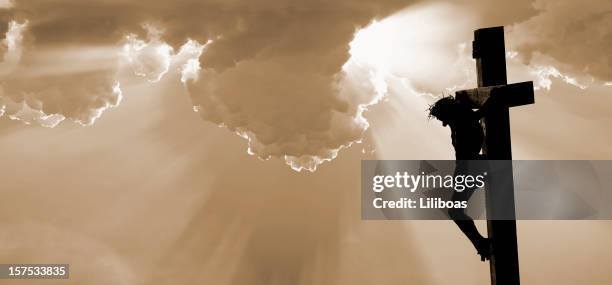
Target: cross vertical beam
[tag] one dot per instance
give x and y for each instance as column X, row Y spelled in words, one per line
column 489, row 52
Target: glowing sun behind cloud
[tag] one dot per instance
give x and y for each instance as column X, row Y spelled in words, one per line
column 413, row 56
column 423, row 46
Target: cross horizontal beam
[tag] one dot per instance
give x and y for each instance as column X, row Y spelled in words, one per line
column 511, row 95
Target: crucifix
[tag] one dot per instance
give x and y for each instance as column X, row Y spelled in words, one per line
column 489, row 52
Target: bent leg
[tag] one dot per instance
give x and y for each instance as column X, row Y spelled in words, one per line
column 463, row 221
column 467, row 226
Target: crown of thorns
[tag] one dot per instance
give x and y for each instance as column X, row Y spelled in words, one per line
column 442, row 104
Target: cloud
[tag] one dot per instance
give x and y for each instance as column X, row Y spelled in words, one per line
column 189, row 59
column 6, row 4
column 11, row 46
column 275, row 78
column 47, row 85
column 284, row 107
column 151, row 59
column 430, row 61
column 574, row 36
column 284, row 75
column 23, row 112
column 64, row 83
column 271, row 70
column 45, row 82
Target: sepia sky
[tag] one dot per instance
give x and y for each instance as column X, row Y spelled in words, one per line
column 131, row 132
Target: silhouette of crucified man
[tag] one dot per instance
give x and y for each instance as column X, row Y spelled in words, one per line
column 467, row 136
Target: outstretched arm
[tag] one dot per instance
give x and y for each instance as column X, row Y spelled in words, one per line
column 484, row 99
column 493, row 101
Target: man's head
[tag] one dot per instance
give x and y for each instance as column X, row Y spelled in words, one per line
column 444, row 110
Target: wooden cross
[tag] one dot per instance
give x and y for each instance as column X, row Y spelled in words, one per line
column 490, row 54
